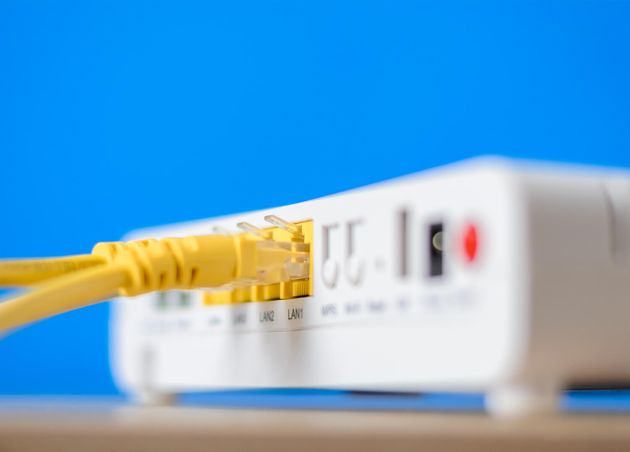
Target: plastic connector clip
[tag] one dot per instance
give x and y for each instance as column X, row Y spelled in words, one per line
column 297, row 282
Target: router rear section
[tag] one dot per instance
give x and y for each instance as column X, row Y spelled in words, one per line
column 507, row 278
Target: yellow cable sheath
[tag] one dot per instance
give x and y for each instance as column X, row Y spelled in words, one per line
column 62, row 294
column 28, row 272
column 144, row 266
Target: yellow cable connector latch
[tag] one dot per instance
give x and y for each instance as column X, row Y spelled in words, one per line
column 142, row 266
column 204, row 261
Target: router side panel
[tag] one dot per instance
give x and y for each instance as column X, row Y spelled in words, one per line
column 580, row 308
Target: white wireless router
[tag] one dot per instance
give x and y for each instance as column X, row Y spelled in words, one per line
column 490, row 275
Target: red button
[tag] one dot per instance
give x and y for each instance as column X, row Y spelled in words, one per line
column 470, row 242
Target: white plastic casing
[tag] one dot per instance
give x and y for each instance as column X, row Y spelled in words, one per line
column 544, row 304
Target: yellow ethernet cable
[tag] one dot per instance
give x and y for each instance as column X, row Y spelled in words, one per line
column 62, row 294
column 28, row 272
column 142, row 266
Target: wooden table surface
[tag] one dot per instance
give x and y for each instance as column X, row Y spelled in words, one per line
column 97, row 426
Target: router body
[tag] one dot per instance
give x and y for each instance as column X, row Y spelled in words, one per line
column 489, row 275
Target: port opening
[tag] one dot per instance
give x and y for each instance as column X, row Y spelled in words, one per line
column 403, row 243
column 435, row 237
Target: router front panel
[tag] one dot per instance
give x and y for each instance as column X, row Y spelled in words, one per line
column 416, row 285
column 487, row 276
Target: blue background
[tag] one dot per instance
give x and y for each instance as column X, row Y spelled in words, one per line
column 117, row 115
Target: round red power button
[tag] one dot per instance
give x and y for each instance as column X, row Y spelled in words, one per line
column 470, row 242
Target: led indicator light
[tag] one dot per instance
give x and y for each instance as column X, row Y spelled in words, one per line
column 470, row 242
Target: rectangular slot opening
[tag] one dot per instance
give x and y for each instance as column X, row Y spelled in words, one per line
column 403, row 243
column 435, row 238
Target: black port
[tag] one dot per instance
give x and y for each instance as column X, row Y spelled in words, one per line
column 436, row 249
column 184, row 299
column 161, row 300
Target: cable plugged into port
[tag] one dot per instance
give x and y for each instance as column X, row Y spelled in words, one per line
column 266, row 263
column 300, row 236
